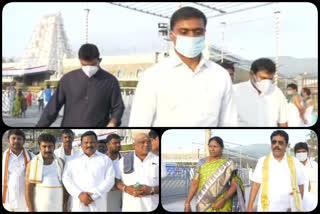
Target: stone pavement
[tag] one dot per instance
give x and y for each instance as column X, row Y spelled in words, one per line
column 33, row 115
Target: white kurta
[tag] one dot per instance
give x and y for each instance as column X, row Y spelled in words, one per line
column 294, row 119
column 93, row 174
column 114, row 198
column 16, row 181
column 259, row 110
column 145, row 172
column 48, row 195
column 61, row 154
column 279, row 182
column 171, row 94
column 310, row 199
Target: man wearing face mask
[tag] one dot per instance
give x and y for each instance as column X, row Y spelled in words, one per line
column 310, row 198
column 90, row 95
column 259, row 102
column 185, row 89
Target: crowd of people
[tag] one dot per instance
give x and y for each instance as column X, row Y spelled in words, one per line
column 282, row 182
column 67, row 179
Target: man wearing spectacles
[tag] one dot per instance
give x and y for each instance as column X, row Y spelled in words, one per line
column 281, row 178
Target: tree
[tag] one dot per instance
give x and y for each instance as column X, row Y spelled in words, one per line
column 313, row 145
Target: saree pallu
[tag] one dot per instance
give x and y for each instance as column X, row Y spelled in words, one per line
column 214, row 182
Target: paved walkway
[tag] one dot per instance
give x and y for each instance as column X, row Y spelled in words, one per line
column 33, row 115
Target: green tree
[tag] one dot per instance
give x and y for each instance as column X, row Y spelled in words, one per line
column 313, row 145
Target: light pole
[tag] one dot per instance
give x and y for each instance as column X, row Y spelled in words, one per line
column 198, row 148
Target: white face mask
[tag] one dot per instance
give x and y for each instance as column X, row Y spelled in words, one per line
column 190, row 46
column 90, row 70
column 302, row 156
column 264, row 85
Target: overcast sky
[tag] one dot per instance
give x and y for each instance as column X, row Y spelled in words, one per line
column 117, row 30
column 182, row 139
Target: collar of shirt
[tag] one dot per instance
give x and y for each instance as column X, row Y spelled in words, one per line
column 16, row 156
column 137, row 159
column 82, row 154
column 283, row 160
column 176, row 61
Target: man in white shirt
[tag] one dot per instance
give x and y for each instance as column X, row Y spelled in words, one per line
column 66, row 151
column 44, row 189
column 89, row 176
column 114, row 197
column 310, row 198
column 185, row 89
column 259, row 102
column 138, row 177
column 281, row 178
column 14, row 163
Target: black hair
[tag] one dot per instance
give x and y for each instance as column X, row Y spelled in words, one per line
column 48, row 86
column 218, row 140
column 88, row 52
column 293, row 86
column 186, row 13
column 281, row 133
column 263, row 64
column 307, row 91
column 67, row 132
column 226, row 65
column 301, row 145
column 46, row 137
column 102, row 141
column 17, row 132
column 89, row 133
column 153, row 134
column 112, row 136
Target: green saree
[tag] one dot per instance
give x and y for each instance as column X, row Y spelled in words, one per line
column 214, row 182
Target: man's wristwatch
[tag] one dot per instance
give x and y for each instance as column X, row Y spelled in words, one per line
column 152, row 191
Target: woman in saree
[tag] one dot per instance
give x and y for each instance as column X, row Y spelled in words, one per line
column 216, row 183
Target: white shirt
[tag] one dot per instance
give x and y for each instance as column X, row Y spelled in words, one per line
column 145, row 172
column 93, row 174
column 60, row 153
column 310, row 199
column 259, row 110
column 171, row 94
column 16, row 181
column 279, row 182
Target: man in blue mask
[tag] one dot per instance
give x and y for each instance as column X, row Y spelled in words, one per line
column 259, row 102
column 185, row 89
column 90, row 95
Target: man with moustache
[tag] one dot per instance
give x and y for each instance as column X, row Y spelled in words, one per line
column 44, row 189
column 89, row 176
column 281, row 178
column 114, row 198
column 138, row 177
column 14, row 163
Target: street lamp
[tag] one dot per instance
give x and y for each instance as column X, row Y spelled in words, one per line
column 198, row 148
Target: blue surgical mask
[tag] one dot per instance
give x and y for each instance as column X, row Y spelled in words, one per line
column 190, row 46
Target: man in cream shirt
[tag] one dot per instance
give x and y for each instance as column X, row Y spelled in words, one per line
column 185, row 89
column 279, row 179
column 88, row 177
column 14, row 163
column 138, row 177
column 44, row 189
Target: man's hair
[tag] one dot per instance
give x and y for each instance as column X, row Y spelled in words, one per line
column 293, row 86
column 301, row 145
column 186, row 13
column 263, row 64
column 281, row 133
column 217, row 139
column 226, row 65
column 17, row 132
column 89, row 133
column 112, row 136
column 67, row 132
column 307, row 91
column 89, row 52
column 153, row 134
column 46, row 137
column 102, row 141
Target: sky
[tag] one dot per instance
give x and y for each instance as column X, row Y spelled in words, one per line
column 182, row 139
column 119, row 31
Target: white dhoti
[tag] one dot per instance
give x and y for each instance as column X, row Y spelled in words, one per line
column 48, row 195
column 98, row 205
